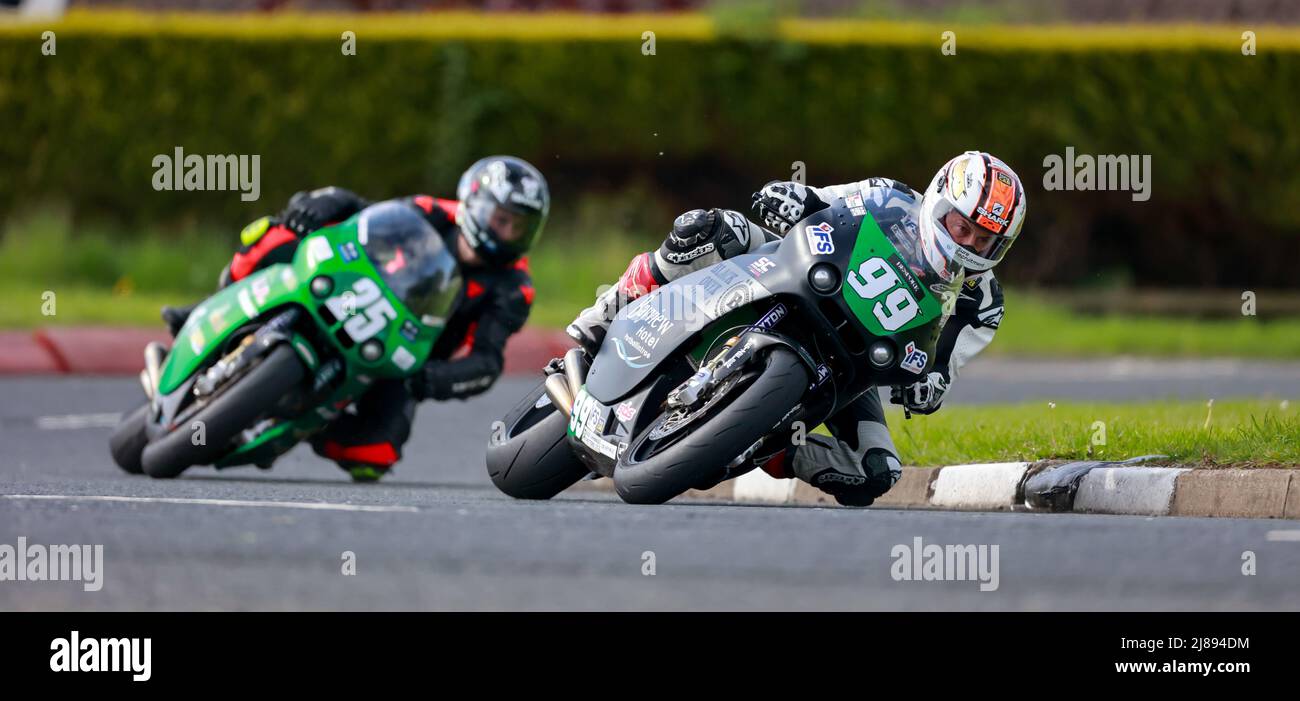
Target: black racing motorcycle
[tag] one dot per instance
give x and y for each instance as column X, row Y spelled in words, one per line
column 728, row 358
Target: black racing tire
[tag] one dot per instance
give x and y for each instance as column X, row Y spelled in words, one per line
column 530, row 457
column 715, row 441
column 129, row 439
column 233, row 411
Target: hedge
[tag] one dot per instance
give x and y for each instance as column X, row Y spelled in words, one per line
column 716, row 111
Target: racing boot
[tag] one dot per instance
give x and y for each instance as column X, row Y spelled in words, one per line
column 365, row 473
column 175, row 317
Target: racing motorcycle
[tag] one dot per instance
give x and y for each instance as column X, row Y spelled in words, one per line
column 725, row 360
column 273, row 358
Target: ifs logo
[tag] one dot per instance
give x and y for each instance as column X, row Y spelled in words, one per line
column 820, row 242
column 914, row 359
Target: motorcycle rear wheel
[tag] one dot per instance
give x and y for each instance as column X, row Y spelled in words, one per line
column 529, row 458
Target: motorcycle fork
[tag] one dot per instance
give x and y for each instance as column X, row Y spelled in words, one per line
column 738, row 354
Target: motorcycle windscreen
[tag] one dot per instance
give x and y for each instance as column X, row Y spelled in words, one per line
column 651, row 328
column 411, row 259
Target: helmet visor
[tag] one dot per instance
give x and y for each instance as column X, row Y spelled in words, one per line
column 504, row 230
column 969, row 234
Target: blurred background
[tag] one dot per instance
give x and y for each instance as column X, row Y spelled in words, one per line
column 639, row 109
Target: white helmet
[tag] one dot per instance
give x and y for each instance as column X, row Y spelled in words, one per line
column 987, row 193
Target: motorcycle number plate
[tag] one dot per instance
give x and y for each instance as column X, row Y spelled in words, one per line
column 587, row 424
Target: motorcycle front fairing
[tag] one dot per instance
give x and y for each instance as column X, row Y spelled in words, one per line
column 628, row 379
column 652, row 328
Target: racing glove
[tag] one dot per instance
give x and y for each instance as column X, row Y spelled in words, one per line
column 440, row 380
column 309, row 211
column 694, row 234
column 431, row 382
column 779, row 205
column 923, row 397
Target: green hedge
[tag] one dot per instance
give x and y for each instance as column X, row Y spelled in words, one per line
column 705, row 120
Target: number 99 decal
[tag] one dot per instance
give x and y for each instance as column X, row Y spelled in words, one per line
column 365, row 307
column 875, row 279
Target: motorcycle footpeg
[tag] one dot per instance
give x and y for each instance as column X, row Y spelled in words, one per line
column 554, row 367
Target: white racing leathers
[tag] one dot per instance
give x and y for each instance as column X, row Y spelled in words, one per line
column 859, row 461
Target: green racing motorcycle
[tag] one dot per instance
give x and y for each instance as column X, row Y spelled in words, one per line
column 273, row 358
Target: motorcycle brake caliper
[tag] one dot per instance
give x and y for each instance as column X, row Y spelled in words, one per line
column 690, row 391
column 206, row 383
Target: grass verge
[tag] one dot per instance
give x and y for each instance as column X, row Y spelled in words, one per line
column 1247, row 433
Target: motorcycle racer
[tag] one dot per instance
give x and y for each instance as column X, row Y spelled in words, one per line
column 501, row 207
column 971, row 213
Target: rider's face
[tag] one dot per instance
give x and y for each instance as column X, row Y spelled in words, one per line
column 507, row 225
column 962, row 230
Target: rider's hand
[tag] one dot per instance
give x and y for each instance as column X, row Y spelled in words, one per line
column 309, row 211
column 923, row 397
column 779, row 205
column 694, row 234
column 430, row 382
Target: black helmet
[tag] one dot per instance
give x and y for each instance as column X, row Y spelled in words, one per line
column 503, row 205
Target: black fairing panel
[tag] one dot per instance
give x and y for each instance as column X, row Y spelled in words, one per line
column 652, row 328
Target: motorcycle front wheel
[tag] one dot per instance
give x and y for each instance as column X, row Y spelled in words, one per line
column 663, row 461
column 238, row 407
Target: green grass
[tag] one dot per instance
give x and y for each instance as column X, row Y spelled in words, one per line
column 102, row 275
column 568, row 283
column 563, row 289
column 1248, row 433
column 1033, row 327
column 46, row 252
column 77, row 305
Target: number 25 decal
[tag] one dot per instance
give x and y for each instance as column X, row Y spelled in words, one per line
column 874, row 279
column 365, row 307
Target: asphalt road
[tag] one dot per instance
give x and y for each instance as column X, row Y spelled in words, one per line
column 435, row 535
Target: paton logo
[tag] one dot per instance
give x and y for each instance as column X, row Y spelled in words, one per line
column 77, row 654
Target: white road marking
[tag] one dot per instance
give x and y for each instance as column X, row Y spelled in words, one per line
column 312, row 505
column 1283, row 535
column 76, row 421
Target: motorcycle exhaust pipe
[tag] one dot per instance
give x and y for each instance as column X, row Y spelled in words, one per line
column 557, row 388
column 563, row 389
column 153, row 357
